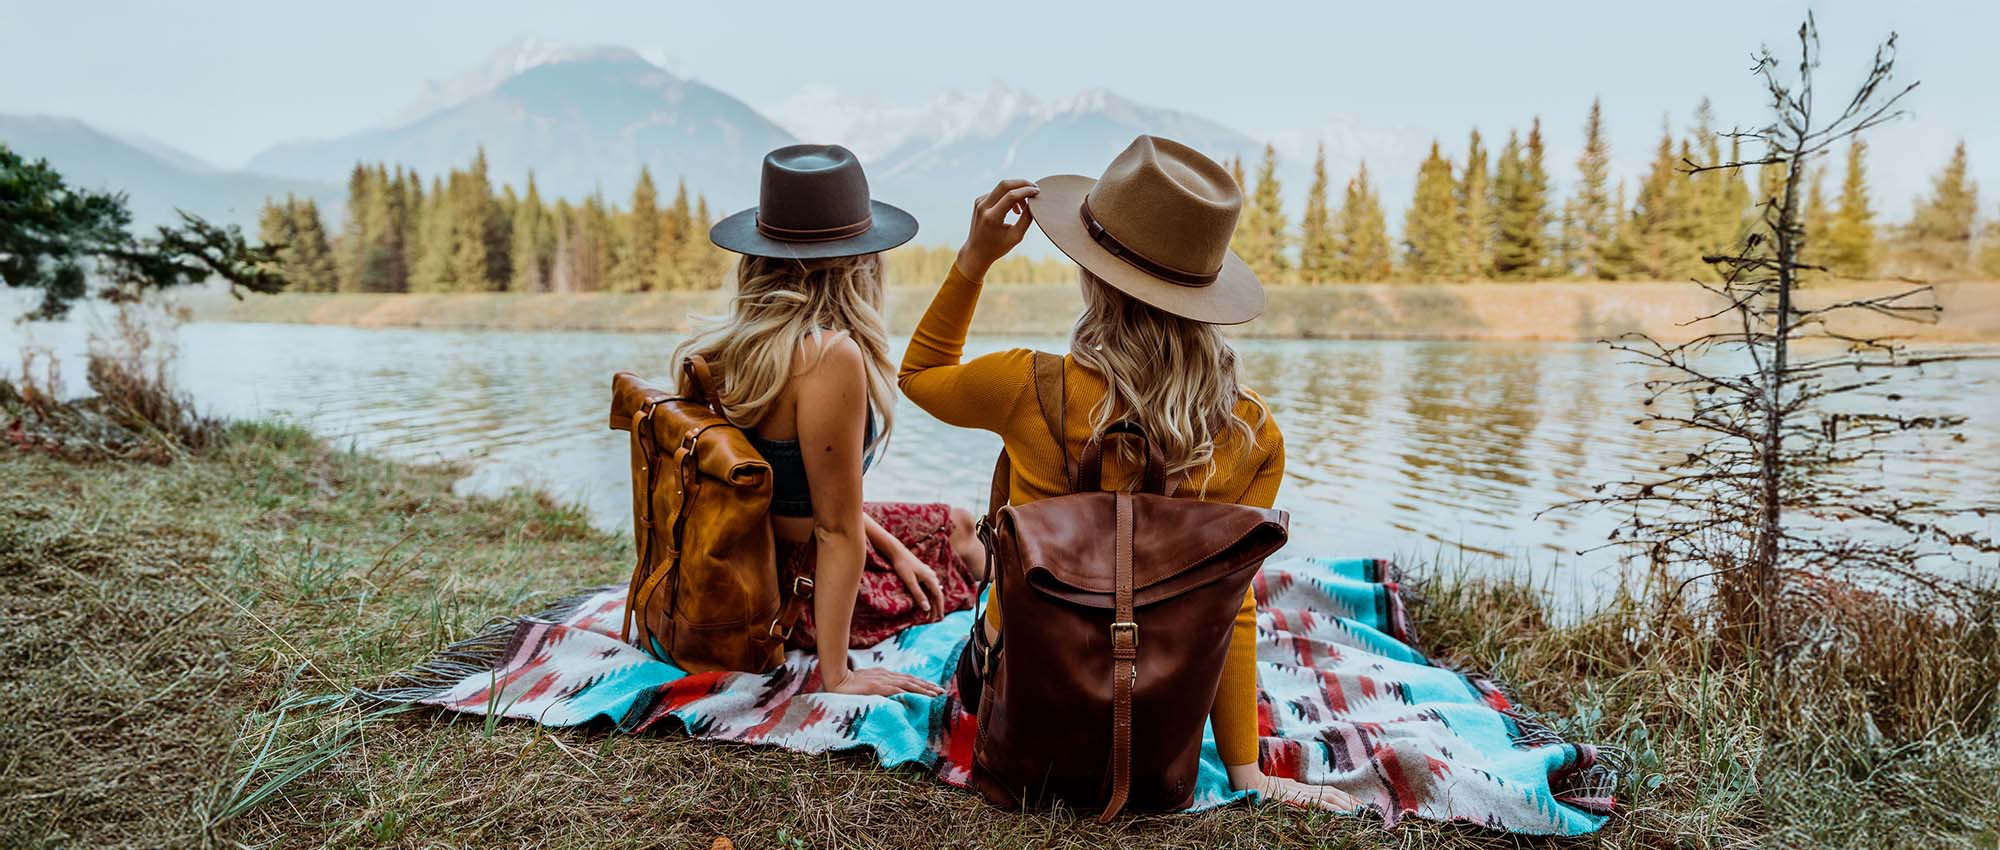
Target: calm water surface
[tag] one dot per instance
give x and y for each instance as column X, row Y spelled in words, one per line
column 1395, row 448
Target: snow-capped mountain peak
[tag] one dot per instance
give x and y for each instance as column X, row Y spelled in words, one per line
column 511, row 60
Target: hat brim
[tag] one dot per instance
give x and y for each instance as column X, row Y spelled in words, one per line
column 1234, row 297
column 739, row 233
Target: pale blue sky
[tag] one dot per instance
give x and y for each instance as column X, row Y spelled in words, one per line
column 224, row 80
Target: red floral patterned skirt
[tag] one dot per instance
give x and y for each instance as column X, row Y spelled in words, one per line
column 883, row 606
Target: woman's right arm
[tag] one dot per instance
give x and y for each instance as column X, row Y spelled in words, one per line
column 976, row 394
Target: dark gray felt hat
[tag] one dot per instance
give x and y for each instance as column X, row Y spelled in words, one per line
column 812, row 204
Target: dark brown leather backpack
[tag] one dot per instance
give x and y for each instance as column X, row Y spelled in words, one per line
column 704, row 594
column 1118, row 608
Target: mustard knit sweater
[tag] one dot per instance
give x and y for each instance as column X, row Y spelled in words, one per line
column 996, row 393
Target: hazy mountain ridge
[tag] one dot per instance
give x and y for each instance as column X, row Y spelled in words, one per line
column 156, row 179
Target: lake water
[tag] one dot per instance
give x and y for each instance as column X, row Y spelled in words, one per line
column 1410, row 449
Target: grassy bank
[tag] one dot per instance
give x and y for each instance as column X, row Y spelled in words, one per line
column 171, row 632
column 1472, row 311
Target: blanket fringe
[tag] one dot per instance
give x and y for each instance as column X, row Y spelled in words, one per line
column 480, row 653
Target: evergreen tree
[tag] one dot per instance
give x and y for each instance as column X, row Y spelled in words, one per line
column 1818, row 222
column 1263, row 247
column 1850, row 239
column 533, row 242
column 712, row 263
column 1520, row 191
column 352, row 250
column 637, row 250
column 562, row 263
column 591, row 242
column 1940, row 230
column 1666, row 218
column 1364, row 236
column 1475, row 217
column 1318, row 249
column 310, row 258
column 1714, row 195
column 681, row 253
column 1431, row 238
column 1620, row 259
column 436, row 224
column 1589, row 216
column 276, row 229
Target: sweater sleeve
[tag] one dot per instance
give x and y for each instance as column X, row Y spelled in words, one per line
column 1235, row 712
column 980, row 394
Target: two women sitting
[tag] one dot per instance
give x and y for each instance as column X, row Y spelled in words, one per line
column 803, row 362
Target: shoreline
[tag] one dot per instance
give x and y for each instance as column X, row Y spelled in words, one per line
column 1562, row 311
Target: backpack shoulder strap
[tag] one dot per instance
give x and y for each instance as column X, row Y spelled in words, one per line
column 1051, row 395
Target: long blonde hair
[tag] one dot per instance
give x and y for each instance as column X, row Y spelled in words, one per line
column 779, row 303
column 1174, row 376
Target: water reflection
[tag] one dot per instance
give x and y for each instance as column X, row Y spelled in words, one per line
column 1395, row 448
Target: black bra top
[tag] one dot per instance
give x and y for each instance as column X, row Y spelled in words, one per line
column 790, row 494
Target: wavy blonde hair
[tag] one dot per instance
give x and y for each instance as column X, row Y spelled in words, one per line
column 779, row 303
column 1174, row 376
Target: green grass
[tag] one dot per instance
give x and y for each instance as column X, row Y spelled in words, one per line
column 174, row 638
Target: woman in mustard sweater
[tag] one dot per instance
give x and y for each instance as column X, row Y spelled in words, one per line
column 1151, row 239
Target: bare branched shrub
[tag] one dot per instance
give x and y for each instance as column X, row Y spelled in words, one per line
column 1782, row 508
column 135, row 411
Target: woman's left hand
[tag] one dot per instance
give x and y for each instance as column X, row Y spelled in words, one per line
column 921, row 581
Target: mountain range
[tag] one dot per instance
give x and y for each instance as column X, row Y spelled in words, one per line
column 585, row 119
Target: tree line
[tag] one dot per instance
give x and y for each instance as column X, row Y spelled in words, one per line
column 1494, row 216
column 460, row 235
column 1485, row 216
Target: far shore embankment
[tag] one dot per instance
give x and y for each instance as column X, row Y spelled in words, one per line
column 1542, row 311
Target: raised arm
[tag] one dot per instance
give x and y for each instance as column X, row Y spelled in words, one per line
column 976, row 394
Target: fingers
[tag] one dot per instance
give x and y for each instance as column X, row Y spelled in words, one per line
column 913, row 583
column 1020, row 226
column 996, row 211
column 987, row 201
column 935, row 589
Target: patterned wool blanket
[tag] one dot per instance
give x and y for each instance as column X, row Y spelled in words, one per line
column 1345, row 700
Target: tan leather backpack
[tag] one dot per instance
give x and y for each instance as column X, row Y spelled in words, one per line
column 1118, row 612
column 704, row 594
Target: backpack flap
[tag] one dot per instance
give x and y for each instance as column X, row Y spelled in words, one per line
column 1066, row 553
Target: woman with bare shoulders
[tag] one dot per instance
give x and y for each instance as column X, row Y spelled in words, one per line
column 802, row 364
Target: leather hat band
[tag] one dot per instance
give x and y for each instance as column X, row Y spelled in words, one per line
column 1144, row 263
column 823, row 234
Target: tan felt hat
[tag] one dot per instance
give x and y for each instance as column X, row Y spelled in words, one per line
column 1156, row 226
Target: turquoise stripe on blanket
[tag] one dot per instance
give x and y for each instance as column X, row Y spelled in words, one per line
column 1344, row 698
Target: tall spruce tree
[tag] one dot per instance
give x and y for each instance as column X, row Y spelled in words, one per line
column 1850, row 239
column 1620, row 259
column 1475, row 213
column 1590, row 215
column 1431, row 238
column 1265, row 237
column 352, row 249
column 1365, row 253
column 710, row 263
column 1819, row 222
column 1318, row 248
column 1939, row 234
column 310, row 258
column 1666, row 217
column 681, row 247
column 533, row 242
column 637, row 259
column 277, row 230
column 1520, row 191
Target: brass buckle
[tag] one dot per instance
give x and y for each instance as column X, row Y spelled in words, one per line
column 1127, row 627
column 802, row 585
column 773, row 632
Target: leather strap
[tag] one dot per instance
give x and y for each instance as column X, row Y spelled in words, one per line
column 1051, row 394
column 1140, row 261
column 815, row 234
column 1090, row 471
column 1124, row 662
column 701, row 381
column 642, row 431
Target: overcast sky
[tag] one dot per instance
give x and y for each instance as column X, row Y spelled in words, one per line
column 223, row 80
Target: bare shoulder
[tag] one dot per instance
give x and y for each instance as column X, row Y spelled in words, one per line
column 834, row 352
